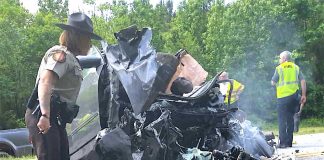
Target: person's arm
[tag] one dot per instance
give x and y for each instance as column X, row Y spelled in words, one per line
column 303, row 87
column 46, row 82
column 55, row 67
column 237, row 91
column 275, row 78
column 300, row 108
column 240, row 89
column 273, row 83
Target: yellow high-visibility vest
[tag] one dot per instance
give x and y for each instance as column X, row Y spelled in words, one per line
column 236, row 87
column 288, row 79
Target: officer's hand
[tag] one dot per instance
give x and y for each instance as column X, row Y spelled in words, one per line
column 302, row 99
column 43, row 125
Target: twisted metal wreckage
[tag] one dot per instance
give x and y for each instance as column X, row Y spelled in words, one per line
column 137, row 120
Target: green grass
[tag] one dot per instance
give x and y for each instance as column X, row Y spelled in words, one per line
column 307, row 126
column 20, row 158
column 310, row 126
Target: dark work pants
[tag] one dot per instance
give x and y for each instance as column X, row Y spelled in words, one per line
column 286, row 108
column 53, row 145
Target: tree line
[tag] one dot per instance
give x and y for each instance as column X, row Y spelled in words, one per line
column 243, row 38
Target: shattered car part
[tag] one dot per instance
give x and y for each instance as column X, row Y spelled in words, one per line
column 135, row 62
column 191, row 69
column 115, row 144
column 195, row 153
column 149, row 124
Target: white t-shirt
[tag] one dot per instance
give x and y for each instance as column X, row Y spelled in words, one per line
column 223, row 87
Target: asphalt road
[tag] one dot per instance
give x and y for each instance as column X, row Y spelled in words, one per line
column 305, row 147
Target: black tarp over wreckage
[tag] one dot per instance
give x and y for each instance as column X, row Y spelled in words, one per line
column 127, row 114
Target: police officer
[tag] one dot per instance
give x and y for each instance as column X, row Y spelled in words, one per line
column 59, row 73
column 286, row 78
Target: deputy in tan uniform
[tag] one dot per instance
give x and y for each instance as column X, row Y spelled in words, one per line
column 59, row 73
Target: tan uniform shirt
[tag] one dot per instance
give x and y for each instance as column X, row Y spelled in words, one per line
column 68, row 71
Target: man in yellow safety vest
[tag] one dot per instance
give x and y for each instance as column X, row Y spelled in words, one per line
column 225, row 89
column 286, row 79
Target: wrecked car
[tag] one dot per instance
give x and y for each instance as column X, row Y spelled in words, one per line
column 128, row 110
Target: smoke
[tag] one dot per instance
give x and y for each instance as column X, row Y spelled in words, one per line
column 258, row 65
column 251, row 139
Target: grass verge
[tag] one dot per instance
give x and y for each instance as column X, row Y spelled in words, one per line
column 307, row 126
column 20, row 158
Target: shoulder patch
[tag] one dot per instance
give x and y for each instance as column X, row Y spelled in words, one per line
column 59, row 56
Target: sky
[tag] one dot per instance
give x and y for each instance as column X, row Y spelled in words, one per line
column 76, row 5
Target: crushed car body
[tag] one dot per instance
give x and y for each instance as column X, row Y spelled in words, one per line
column 128, row 113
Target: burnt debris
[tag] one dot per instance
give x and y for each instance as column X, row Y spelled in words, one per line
column 152, row 125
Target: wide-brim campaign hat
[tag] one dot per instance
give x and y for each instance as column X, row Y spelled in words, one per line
column 79, row 22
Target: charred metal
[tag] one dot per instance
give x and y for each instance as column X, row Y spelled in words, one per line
column 140, row 120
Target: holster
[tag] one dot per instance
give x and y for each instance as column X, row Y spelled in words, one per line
column 65, row 112
column 61, row 112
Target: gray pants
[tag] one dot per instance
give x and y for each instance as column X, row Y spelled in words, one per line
column 53, row 145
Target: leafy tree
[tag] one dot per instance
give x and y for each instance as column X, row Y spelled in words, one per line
column 25, row 40
column 141, row 13
column 243, row 38
column 13, row 20
column 311, row 21
column 187, row 28
column 161, row 16
column 117, row 19
column 59, row 8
